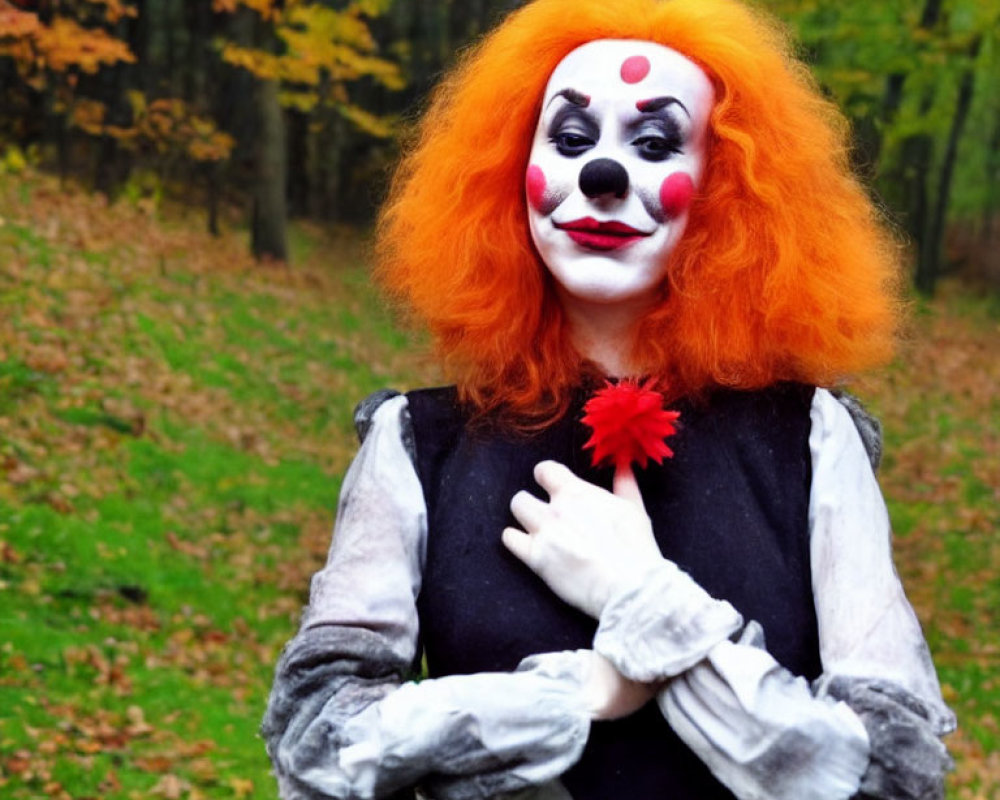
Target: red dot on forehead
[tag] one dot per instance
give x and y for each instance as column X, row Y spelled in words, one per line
column 676, row 194
column 635, row 68
column 534, row 185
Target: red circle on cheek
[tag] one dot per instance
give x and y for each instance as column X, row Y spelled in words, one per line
column 534, row 183
column 676, row 194
column 635, row 68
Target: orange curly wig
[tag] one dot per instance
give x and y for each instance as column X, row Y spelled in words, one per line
column 785, row 271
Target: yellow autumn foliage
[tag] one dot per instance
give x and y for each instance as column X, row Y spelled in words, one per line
column 61, row 46
column 323, row 50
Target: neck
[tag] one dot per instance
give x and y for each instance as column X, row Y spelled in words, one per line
column 604, row 332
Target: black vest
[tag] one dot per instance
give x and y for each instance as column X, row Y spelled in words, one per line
column 731, row 509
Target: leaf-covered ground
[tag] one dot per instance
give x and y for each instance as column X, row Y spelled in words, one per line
column 173, row 423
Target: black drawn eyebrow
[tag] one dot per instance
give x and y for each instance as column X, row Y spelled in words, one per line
column 578, row 99
column 655, row 104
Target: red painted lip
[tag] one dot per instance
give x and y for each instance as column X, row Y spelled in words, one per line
column 588, row 232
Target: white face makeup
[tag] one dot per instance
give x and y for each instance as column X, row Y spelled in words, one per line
column 617, row 155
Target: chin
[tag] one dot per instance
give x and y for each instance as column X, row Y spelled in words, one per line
column 607, row 294
column 602, row 279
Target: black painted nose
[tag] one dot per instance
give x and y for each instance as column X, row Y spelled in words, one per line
column 603, row 176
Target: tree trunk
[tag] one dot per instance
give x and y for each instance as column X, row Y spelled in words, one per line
column 891, row 102
column 213, row 177
column 992, row 179
column 333, row 152
column 915, row 165
column 929, row 258
column 57, row 131
column 198, row 21
column 270, row 213
column 171, row 78
column 234, row 103
column 299, row 172
column 113, row 163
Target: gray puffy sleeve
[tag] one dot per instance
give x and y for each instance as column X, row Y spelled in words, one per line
column 874, row 654
column 343, row 721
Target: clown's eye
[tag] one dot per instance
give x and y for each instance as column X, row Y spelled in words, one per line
column 572, row 144
column 657, row 148
column 573, row 131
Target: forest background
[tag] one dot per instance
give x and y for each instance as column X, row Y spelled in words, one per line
column 186, row 323
column 294, row 108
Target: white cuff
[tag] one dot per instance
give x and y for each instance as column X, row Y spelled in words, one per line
column 664, row 625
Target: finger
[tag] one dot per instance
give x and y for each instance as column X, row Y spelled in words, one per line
column 518, row 542
column 552, row 476
column 528, row 510
column 626, row 487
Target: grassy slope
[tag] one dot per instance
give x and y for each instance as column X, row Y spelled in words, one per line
column 173, row 421
column 941, row 476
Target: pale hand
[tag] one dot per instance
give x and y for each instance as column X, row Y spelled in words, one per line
column 610, row 695
column 586, row 543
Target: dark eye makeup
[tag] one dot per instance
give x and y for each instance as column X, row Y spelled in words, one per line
column 573, row 131
column 656, row 136
column 658, row 140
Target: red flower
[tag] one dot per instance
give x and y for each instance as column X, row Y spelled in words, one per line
column 629, row 424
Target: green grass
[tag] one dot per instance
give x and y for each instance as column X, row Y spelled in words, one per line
column 172, row 438
column 942, row 478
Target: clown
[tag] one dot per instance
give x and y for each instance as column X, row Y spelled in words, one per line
column 651, row 190
column 615, row 151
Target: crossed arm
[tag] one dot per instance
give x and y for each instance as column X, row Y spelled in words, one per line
column 343, row 723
